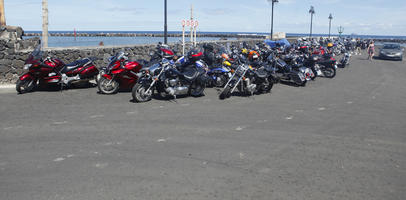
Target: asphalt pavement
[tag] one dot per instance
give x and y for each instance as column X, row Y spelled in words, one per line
column 341, row 138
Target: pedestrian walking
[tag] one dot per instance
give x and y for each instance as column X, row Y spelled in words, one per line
column 371, row 50
column 358, row 50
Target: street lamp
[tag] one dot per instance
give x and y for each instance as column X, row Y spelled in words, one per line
column 273, row 2
column 340, row 30
column 311, row 11
column 165, row 24
column 329, row 26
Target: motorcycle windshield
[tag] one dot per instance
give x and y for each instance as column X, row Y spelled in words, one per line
column 35, row 55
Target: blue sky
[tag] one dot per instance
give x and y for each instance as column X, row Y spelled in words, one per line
column 376, row 17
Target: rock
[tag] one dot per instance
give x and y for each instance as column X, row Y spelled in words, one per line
column 11, row 32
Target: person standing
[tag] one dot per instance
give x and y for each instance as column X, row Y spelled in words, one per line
column 371, row 50
column 358, row 50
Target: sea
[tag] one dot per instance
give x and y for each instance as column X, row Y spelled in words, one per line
column 63, row 41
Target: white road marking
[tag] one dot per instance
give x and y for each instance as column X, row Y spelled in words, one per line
column 59, row 123
column 349, row 102
column 289, row 117
column 59, row 159
column 70, row 155
column 299, row 111
column 8, row 128
column 161, row 140
column 101, row 165
column 242, row 155
column 239, row 128
column 322, row 108
column 96, row 116
column 131, row 113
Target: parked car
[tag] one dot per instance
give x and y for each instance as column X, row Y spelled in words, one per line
column 391, row 51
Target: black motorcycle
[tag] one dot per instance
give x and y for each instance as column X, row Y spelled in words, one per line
column 170, row 80
column 282, row 71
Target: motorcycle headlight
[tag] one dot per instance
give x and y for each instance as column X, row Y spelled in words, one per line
column 27, row 66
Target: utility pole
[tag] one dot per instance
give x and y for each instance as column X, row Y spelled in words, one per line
column 191, row 21
column 44, row 23
column 166, row 24
column 329, row 25
column 2, row 14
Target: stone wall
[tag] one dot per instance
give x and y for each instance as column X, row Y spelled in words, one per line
column 14, row 53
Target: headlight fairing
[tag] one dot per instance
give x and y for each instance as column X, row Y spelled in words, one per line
column 27, row 66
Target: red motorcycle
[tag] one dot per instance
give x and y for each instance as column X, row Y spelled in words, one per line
column 52, row 71
column 119, row 74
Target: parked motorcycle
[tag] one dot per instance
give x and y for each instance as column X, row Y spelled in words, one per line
column 120, row 73
column 219, row 71
column 248, row 80
column 286, row 72
column 52, row 71
column 170, row 80
column 345, row 60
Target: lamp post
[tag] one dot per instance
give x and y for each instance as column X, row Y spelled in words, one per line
column 329, row 25
column 273, row 3
column 311, row 11
column 165, row 24
column 340, row 30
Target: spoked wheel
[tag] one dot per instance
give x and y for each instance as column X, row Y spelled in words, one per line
column 26, row 85
column 329, row 72
column 226, row 93
column 140, row 94
column 107, row 86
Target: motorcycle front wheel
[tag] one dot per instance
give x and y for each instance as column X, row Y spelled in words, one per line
column 329, row 72
column 226, row 93
column 26, row 85
column 107, row 86
column 139, row 93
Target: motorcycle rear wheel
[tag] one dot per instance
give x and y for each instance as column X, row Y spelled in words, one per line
column 107, row 86
column 329, row 72
column 26, row 85
column 222, row 82
column 139, row 93
column 196, row 90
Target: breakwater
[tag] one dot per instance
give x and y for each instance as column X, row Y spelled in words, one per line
column 101, row 34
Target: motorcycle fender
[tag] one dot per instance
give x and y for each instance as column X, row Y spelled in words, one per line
column 107, row 76
column 26, row 76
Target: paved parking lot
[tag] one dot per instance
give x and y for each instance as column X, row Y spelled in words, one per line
column 343, row 138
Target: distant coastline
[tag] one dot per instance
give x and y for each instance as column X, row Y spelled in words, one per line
column 205, row 34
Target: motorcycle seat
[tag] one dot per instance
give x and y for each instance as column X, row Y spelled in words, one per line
column 75, row 65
